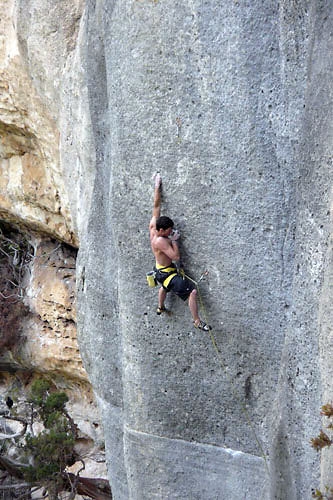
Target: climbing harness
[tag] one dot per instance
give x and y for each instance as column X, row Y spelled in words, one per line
column 167, row 273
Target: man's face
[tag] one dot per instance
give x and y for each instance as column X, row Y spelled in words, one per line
column 165, row 232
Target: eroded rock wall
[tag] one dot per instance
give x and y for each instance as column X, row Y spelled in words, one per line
column 222, row 99
column 231, row 102
column 38, row 300
column 38, row 337
column 32, row 188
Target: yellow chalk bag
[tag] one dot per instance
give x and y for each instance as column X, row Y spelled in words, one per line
column 151, row 280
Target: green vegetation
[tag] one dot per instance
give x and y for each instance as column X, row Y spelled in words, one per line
column 320, row 442
column 53, row 449
column 44, row 458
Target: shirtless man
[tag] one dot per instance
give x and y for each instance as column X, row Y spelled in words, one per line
column 164, row 244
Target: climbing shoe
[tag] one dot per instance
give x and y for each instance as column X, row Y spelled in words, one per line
column 202, row 326
column 161, row 310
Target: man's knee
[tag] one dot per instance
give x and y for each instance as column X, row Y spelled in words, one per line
column 193, row 294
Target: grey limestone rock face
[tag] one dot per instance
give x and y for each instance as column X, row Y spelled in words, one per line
column 232, row 103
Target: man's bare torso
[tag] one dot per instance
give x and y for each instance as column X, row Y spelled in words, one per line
column 156, row 243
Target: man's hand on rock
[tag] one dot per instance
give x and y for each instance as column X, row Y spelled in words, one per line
column 175, row 235
column 158, row 181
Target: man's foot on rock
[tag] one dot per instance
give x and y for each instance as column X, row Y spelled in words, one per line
column 201, row 325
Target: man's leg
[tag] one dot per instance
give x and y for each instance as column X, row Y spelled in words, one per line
column 161, row 297
column 193, row 305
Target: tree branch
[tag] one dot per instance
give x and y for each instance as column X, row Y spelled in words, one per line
column 15, row 486
column 15, row 469
column 97, row 489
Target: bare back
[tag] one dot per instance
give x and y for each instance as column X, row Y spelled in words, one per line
column 159, row 246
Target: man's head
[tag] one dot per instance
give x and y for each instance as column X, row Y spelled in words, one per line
column 164, row 223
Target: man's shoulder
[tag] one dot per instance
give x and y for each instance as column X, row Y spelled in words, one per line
column 160, row 241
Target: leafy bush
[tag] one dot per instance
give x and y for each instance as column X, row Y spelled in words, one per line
column 56, row 401
column 53, row 449
column 39, row 392
column 322, row 441
column 45, row 457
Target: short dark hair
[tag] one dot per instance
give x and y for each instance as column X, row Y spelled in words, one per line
column 164, row 222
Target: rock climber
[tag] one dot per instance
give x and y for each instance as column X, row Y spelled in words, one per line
column 164, row 244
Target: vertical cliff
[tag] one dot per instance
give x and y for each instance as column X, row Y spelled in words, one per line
column 227, row 101
column 38, row 240
column 232, row 103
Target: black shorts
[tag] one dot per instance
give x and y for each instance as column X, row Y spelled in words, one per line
column 181, row 287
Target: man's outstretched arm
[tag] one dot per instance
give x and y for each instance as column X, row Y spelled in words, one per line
column 157, row 202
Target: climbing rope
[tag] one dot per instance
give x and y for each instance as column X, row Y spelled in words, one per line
column 223, row 366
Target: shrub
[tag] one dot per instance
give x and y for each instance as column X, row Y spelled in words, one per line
column 322, row 441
